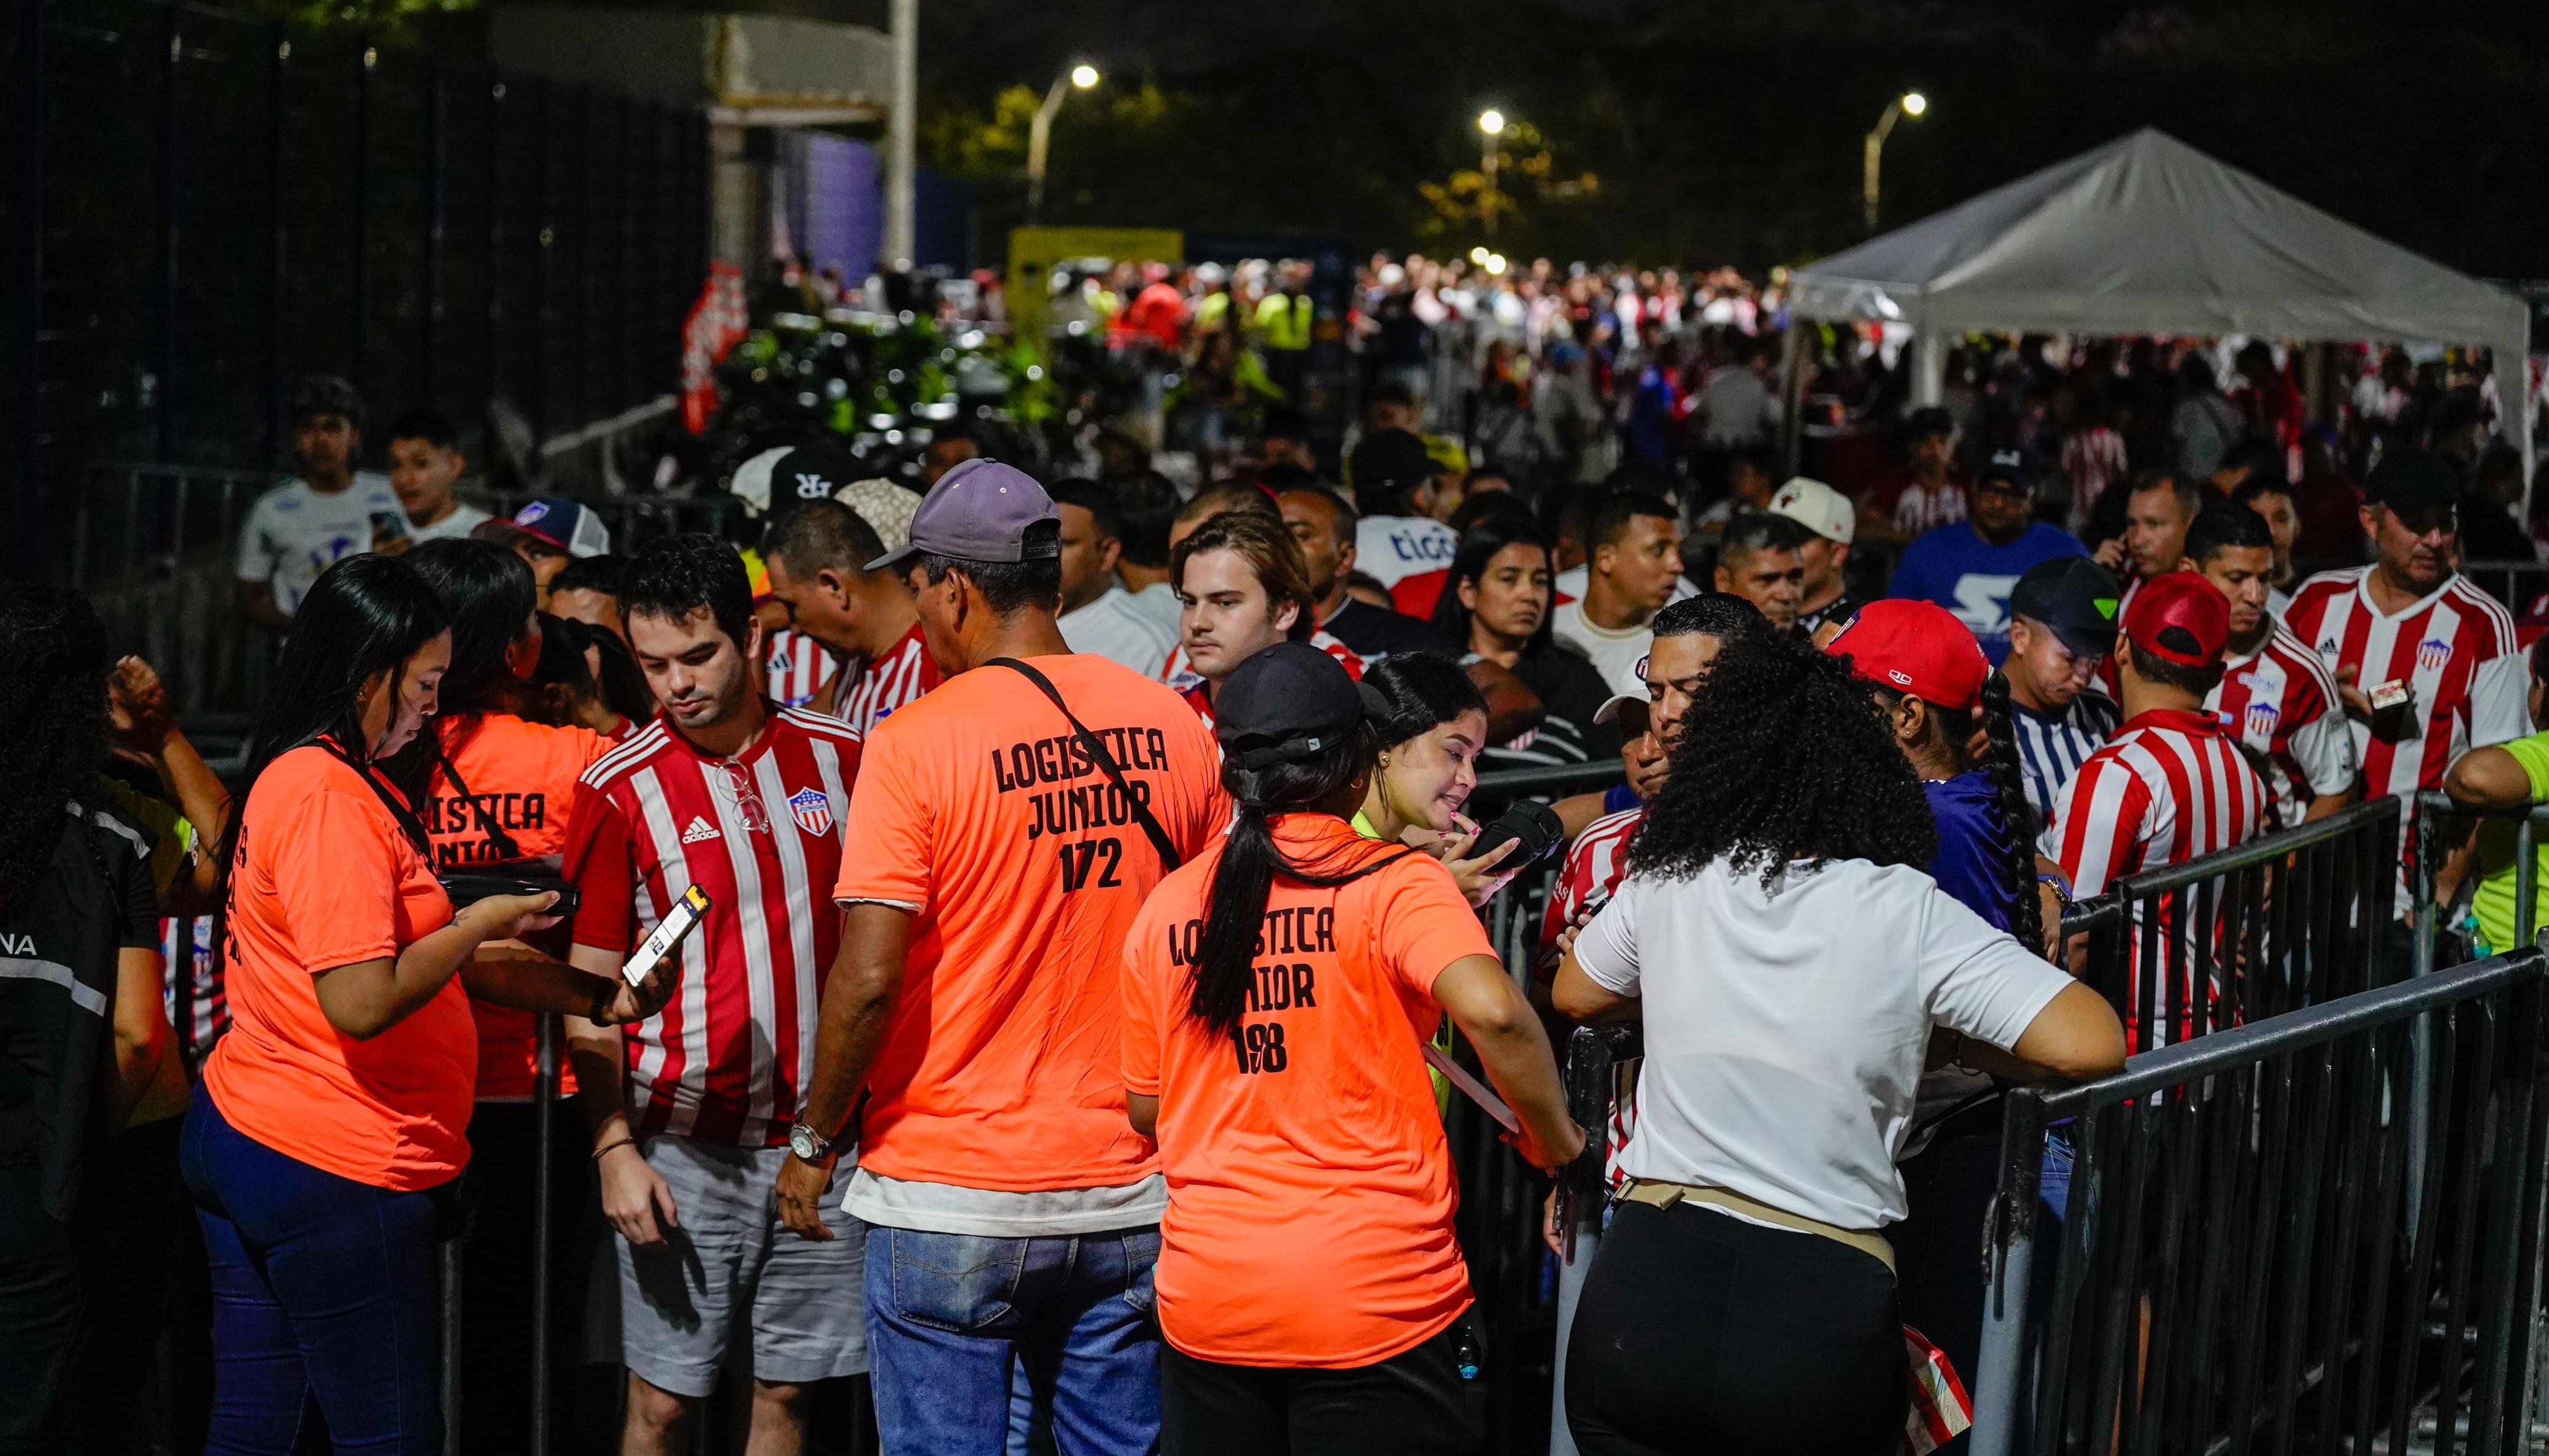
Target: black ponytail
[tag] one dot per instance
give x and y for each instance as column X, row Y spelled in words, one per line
column 2027, row 911
column 1235, row 901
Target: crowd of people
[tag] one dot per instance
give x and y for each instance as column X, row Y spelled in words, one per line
column 999, row 932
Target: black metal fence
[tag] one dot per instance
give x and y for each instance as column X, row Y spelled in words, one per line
column 209, row 205
column 2246, row 1255
column 2290, row 920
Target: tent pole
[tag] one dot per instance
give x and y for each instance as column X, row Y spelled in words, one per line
column 2520, row 404
column 1929, row 367
column 1792, row 374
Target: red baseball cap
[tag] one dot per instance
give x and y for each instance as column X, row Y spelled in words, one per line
column 2179, row 618
column 1915, row 647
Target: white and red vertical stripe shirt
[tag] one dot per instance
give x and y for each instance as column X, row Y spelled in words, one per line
column 798, row 666
column 2170, row 786
column 1595, row 864
column 728, row 1057
column 898, row 675
column 2456, row 651
column 2280, row 702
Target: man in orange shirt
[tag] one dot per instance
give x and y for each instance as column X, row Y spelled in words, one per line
column 1006, row 828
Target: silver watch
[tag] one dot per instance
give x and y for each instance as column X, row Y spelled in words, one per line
column 809, row 1145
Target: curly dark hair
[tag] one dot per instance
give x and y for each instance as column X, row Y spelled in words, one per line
column 1784, row 756
column 53, row 715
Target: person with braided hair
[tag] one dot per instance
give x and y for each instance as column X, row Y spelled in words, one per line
column 1790, row 961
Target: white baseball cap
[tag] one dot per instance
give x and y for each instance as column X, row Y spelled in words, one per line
column 1817, row 507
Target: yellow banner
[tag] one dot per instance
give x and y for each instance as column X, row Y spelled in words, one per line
column 1034, row 251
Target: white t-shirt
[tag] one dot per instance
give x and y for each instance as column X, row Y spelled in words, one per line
column 1389, row 547
column 1570, row 584
column 1785, row 1030
column 461, row 521
column 1159, row 601
column 1115, row 627
column 293, row 533
column 1614, row 654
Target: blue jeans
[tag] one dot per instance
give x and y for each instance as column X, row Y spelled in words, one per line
column 322, row 1286
column 950, row 1314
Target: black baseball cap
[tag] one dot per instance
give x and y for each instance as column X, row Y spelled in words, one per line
column 2011, row 466
column 1288, row 703
column 2412, row 482
column 1387, row 462
column 2076, row 597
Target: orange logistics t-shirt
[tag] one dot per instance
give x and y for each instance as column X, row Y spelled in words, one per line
column 1310, row 1188
column 977, row 809
column 522, row 776
column 326, row 877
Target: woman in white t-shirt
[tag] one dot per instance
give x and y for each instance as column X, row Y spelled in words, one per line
column 1791, row 962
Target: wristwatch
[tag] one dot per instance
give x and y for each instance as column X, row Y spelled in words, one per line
column 809, row 1145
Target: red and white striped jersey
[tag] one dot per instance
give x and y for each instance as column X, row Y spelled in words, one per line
column 2169, row 787
column 1593, row 867
column 1595, row 864
column 797, row 667
column 1190, row 684
column 2456, row 651
column 2281, row 703
column 900, row 675
column 186, row 950
column 727, row 1057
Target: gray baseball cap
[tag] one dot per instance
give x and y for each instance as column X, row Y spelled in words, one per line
column 980, row 511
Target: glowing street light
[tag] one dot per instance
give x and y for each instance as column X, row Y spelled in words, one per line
column 1040, row 131
column 1491, row 125
column 1910, row 104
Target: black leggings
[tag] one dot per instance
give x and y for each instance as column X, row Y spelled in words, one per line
column 1409, row 1405
column 1701, row 1332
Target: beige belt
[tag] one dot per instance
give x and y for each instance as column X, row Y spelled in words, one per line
column 1666, row 1195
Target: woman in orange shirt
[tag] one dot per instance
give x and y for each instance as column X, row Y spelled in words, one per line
column 327, row 1126
column 1276, row 992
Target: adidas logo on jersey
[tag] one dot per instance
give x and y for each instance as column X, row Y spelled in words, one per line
column 700, row 830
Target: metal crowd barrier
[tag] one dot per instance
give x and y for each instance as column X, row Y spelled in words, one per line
column 1498, row 1221
column 2245, row 1257
column 154, row 545
column 2290, row 920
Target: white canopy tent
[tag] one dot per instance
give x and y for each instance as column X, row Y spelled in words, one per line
column 2148, row 235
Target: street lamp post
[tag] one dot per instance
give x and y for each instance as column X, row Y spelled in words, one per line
column 1040, row 131
column 1492, row 126
column 1910, row 104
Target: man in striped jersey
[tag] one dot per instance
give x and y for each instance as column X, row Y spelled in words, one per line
column 2275, row 697
column 689, row 1108
column 2171, row 785
column 2425, row 663
column 817, row 553
column 2061, row 628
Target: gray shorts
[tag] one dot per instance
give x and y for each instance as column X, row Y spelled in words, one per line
column 733, row 1262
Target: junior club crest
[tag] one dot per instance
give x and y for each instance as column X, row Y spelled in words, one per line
column 2432, row 653
column 813, row 812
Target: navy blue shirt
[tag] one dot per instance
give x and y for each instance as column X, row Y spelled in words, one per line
column 1970, row 577
column 1975, row 847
